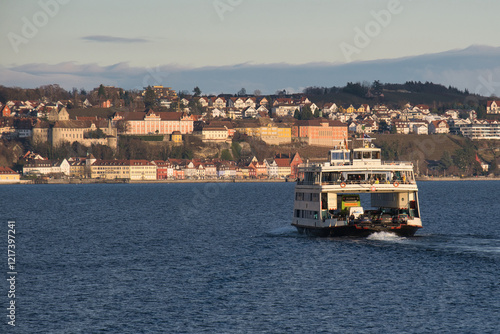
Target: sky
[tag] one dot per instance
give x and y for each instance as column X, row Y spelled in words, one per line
column 82, row 43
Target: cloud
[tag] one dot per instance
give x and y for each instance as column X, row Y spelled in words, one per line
column 113, row 39
column 476, row 69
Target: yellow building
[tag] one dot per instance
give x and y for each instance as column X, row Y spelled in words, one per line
column 77, row 169
column 273, row 134
column 110, row 169
column 7, row 175
column 177, row 137
column 123, row 169
column 351, row 109
column 142, row 170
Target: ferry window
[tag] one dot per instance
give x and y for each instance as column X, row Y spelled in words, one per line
column 357, row 155
column 376, row 155
column 366, row 155
column 347, row 155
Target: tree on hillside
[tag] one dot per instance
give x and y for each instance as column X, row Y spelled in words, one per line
column 226, row 155
column 377, row 87
column 101, row 92
column 196, row 91
column 242, row 92
column 149, row 97
column 195, row 107
column 236, row 150
column 446, row 160
column 304, row 114
column 494, row 167
column 465, row 159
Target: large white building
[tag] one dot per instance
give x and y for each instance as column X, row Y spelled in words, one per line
column 151, row 122
column 484, row 130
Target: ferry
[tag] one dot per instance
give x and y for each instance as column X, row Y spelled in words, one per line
column 329, row 195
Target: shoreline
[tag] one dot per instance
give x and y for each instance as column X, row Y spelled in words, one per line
column 99, row 181
column 456, row 178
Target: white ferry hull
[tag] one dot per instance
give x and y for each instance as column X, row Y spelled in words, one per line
column 354, row 230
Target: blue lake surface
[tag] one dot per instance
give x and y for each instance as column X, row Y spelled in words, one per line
column 223, row 258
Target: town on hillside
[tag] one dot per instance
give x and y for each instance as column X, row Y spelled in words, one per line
column 159, row 134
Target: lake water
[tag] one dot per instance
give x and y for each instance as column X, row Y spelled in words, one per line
column 223, row 258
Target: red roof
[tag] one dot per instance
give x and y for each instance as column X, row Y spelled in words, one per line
column 6, row 170
column 282, row 162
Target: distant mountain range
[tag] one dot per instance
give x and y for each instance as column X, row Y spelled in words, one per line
column 476, row 68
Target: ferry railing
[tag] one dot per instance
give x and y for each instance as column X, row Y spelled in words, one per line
column 397, row 163
column 354, row 182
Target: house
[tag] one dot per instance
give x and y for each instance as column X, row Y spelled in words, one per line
column 295, row 161
column 218, row 102
column 283, row 101
column 263, row 109
column 46, row 167
column 218, row 112
column 283, row 110
column 350, row 109
column 402, row 127
column 363, row 108
column 214, row 133
column 176, row 137
column 329, row 108
column 264, row 102
column 5, row 111
column 7, row 127
column 493, row 107
column 250, row 102
column 284, row 169
column 353, row 126
column 203, row 101
column 61, row 115
column 420, row 128
column 7, row 175
column 234, row 113
column 259, row 169
column 250, row 112
column 236, row 102
column 77, row 168
column 210, row 170
column 272, row 169
column 439, row 127
column 164, row 170
column 423, row 108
